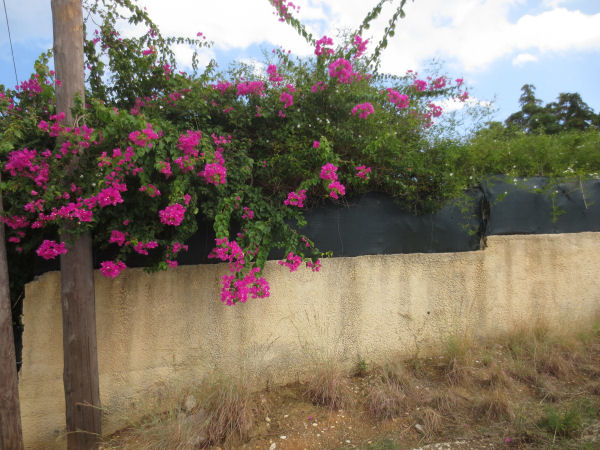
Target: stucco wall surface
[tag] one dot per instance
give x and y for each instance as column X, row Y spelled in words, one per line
column 171, row 326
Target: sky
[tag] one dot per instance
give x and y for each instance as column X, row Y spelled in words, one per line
column 495, row 45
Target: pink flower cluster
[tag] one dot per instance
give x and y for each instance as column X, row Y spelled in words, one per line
column 109, row 196
column 316, row 266
column 336, row 189
column 329, row 172
column 365, row 110
column 149, row 51
column 110, row 269
column 296, row 198
column 248, row 213
column 239, row 289
column 31, row 86
column 229, row 252
column 236, row 287
column 318, row 86
column 187, row 144
column 292, row 261
column 342, row 70
column 274, row 76
column 215, row 173
column 282, row 9
column 24, row 163
column 150, row 189
column 420, row 85
column 320, row 46
column 436, row 110
column 398, row 99
column 439, row 83
column 172, row 215
column 251, row 88
column 363, row 172
column 144, row 137
column 287, row 99
column 51, row 249
column 222, row 86
column 361, row 46
column 141, row 247
column 165, row 168
column 117, row 237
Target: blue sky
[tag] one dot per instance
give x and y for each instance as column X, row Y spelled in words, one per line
column 495, row 45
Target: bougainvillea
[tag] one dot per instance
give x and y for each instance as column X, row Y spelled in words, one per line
column 247, row 151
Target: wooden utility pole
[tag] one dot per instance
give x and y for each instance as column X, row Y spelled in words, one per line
column 11, row 436
column 80, row 376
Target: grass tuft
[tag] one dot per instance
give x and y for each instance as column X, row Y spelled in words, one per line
column 327, row 385
column 496, row 405
column 385, row 399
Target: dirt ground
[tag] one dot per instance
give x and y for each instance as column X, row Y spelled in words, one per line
column 529, row 390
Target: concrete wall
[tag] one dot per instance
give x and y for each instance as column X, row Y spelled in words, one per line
column 171, row 326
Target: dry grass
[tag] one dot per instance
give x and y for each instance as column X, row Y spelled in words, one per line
column 213, row 412
column 431, row 422
column 458, row 360
column 328, row 385
column 386, row 399
column 451, row 401
column 496, row 405
column 519, row 386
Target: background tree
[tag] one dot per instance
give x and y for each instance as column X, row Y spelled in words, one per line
column 532, row 118
column 568, row 113
column 572, row 113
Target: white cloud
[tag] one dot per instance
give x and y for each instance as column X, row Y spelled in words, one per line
column 480, row 32
column 258, row 67
column 452, row 104
column 471, row 33
column 523, row 58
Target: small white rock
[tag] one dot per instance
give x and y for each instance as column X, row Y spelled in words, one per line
column 273, row 446
column 190, row 403
column 283, row 437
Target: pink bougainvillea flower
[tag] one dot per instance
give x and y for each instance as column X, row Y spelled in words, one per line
column 316, row 144
column 342, row 70
column 320, row 48
column 336, row 189
column 172, row 215
column 438, row 83
column 248, row 213
column 363, row 110
column 296, row 198
column 363, row 172
column 436, row 110
column 51, row 249
column 109, row 196
column 316, row 266
column 361, row 46
column 398, row 99
column 292, row 261
column 110, row 269
column 117, row 237
column 420, row 85
column 149, row 51
column 329, row 172
column 274, row 76
column 287, row 99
